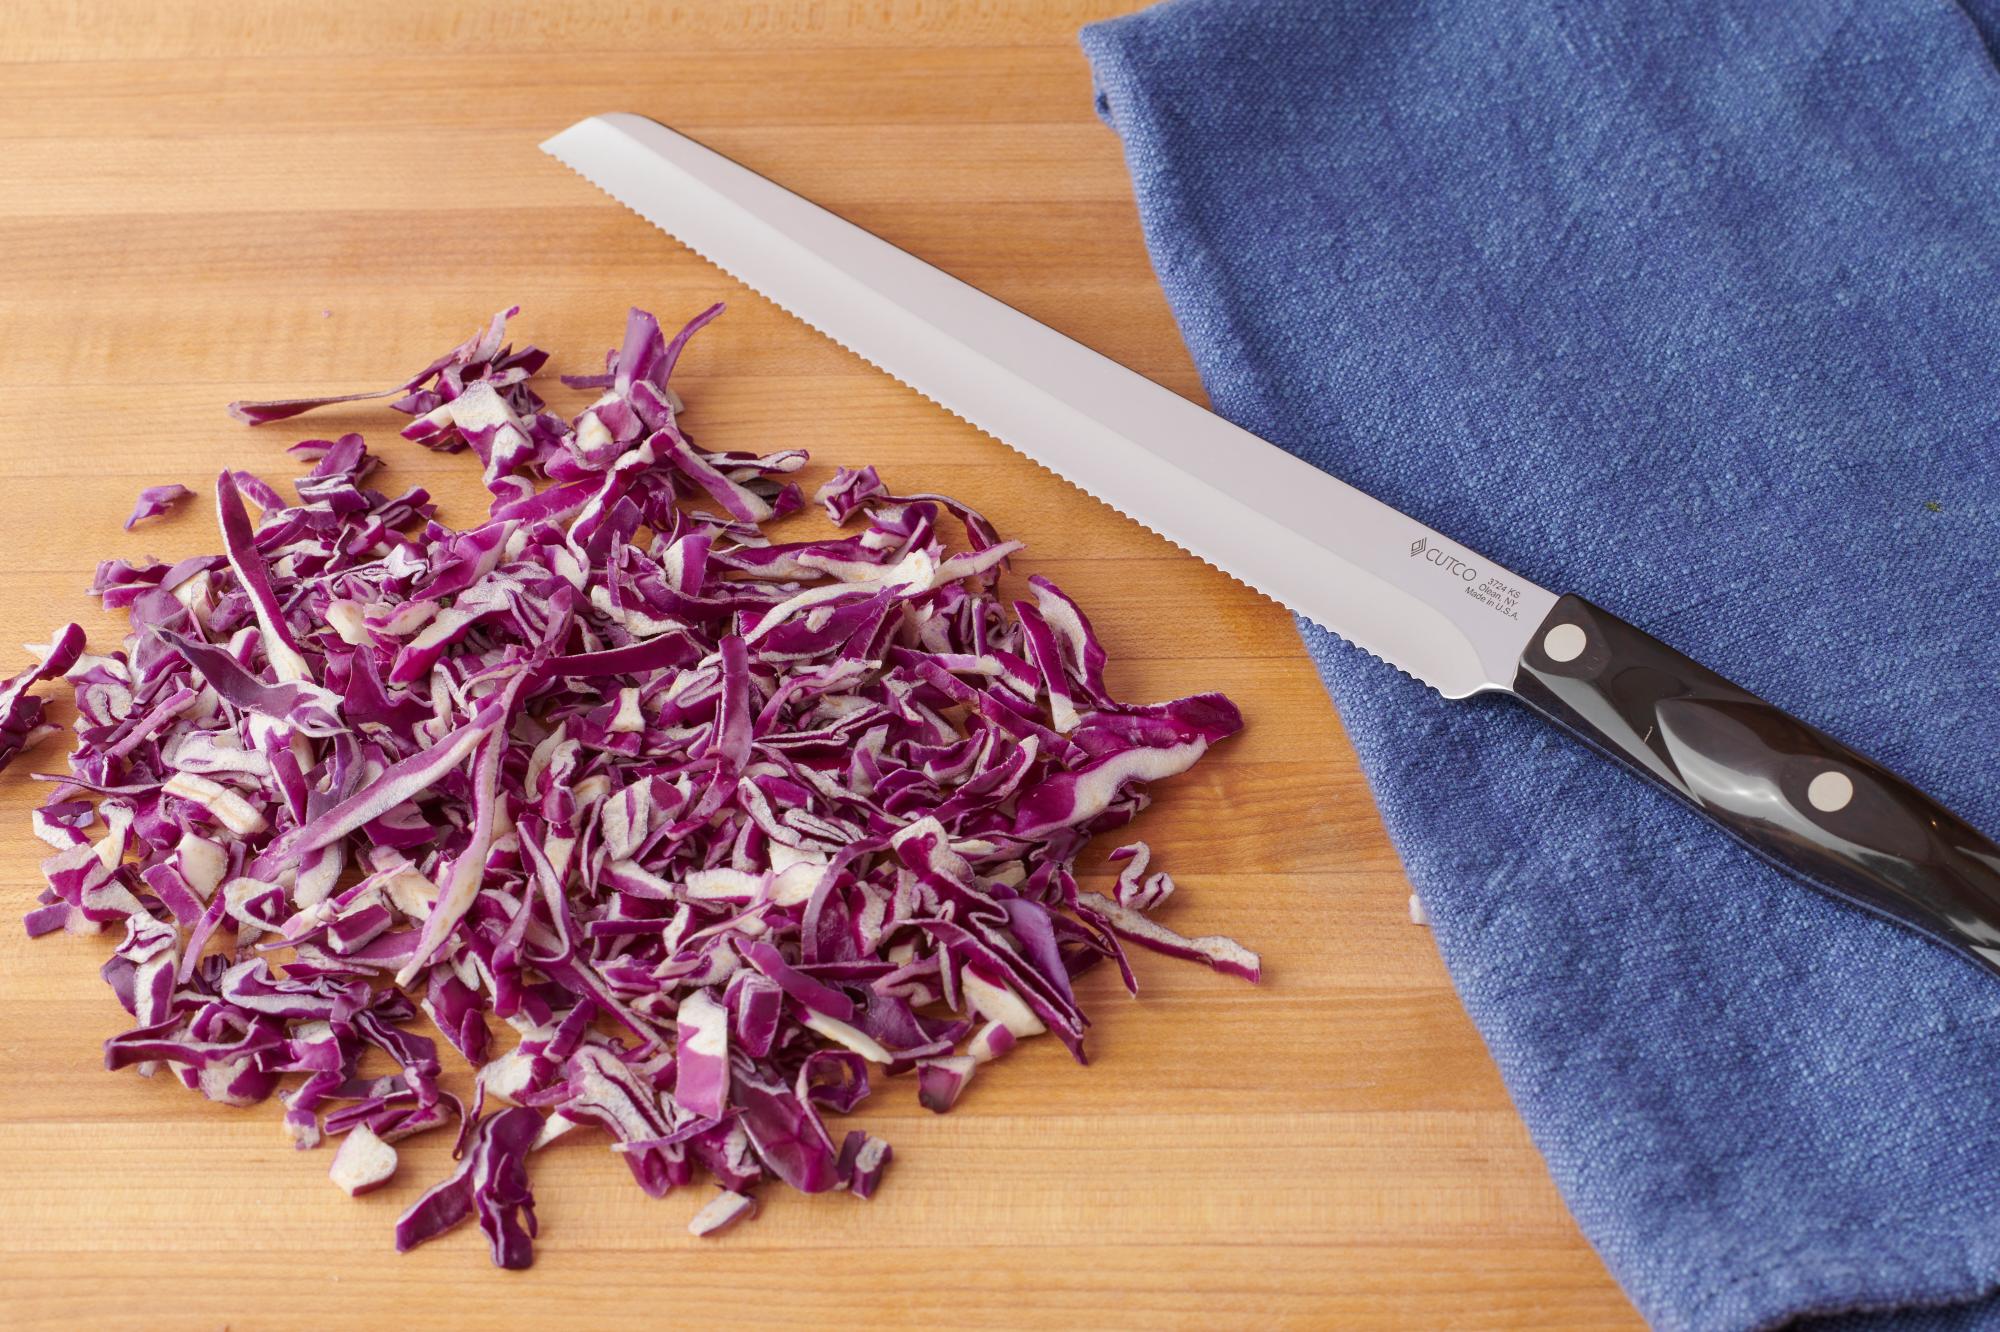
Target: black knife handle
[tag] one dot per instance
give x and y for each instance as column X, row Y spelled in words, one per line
column 1807, row 803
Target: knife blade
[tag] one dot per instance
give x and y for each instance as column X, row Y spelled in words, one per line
column 1387, row 583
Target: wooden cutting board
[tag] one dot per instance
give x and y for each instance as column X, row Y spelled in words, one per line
column 201, row 200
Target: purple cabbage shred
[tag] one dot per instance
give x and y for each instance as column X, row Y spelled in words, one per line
column 154, row 501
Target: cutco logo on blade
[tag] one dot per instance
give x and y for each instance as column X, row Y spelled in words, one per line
column 1437, row 555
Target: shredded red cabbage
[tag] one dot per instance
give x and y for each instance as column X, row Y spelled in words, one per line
column 712, row 822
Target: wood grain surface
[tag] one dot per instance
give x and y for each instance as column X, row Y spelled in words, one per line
column 204, row 200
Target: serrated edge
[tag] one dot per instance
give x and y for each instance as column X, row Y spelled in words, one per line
column 1011, row 447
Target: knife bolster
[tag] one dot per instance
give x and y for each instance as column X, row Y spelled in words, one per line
column 1803, row 801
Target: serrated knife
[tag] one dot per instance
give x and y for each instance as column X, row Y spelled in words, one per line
column 1377, row 577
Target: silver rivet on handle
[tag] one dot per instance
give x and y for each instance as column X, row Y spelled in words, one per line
column 1565, row 642
column 1830, row 791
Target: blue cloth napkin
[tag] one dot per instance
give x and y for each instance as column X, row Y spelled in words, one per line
column 1689, row 308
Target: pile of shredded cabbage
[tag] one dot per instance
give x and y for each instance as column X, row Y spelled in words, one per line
column 718, row 827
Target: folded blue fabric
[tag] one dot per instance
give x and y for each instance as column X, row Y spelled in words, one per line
column 1689, row 308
